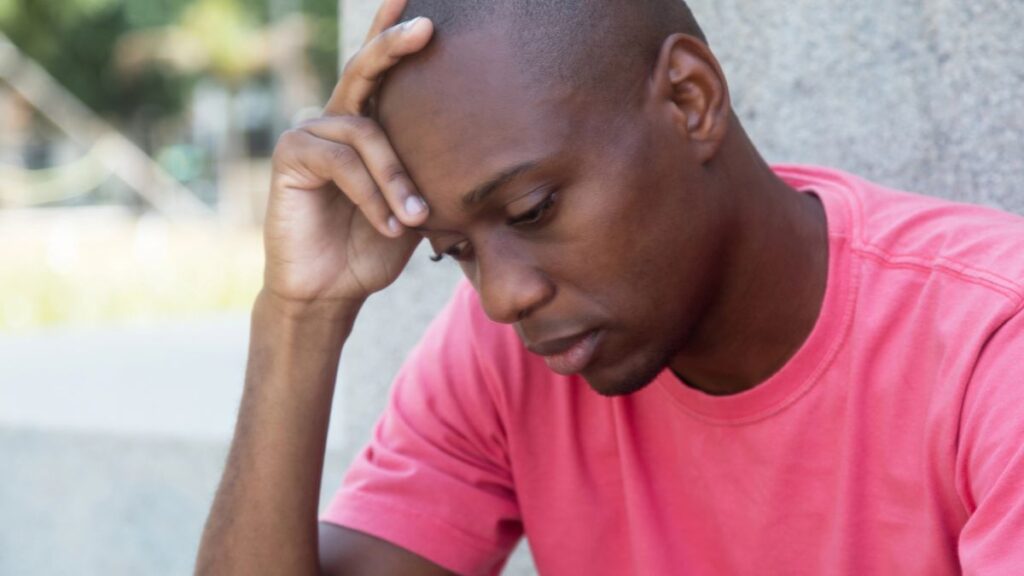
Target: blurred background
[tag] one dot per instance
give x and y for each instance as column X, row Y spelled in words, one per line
column 121, row 117
column 135, row 138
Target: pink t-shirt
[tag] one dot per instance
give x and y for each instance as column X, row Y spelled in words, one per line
column 891, row 443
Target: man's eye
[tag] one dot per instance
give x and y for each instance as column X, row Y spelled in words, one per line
column 535, row 215
column 463, row 251
column 460, row 252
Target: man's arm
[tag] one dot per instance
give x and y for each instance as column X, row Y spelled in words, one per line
column 264, row 517
column 335, row 233
column 990, row 457
column 345, row 551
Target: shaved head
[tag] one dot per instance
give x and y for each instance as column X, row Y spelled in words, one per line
column 603, row 46
column 596, row 142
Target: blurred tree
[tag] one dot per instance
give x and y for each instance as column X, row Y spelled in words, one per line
column 76, row 41
column 228, row 33
column 323, row 49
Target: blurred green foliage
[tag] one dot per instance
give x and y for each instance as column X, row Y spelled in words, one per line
column 323, row 15
column 75, row 40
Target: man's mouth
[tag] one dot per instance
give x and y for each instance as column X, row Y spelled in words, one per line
column 569, row 355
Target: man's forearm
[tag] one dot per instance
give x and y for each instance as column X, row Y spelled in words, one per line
column 263, row 518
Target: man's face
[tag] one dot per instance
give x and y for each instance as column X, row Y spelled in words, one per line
column 591, row 229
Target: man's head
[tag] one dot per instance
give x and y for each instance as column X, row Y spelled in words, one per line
column 575, row 155
column 603, row 46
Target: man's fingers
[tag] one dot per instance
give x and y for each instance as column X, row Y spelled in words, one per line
column 388, row 13
column 357, row 184
column 353, row 151
column 368, row 139
column 315, row 162
column 363, row 73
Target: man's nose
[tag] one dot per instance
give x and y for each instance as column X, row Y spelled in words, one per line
column 511, row 288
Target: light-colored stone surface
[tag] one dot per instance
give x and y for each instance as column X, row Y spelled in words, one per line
column 107, row 504
column 923, row 95
column 356, row 16
column 113, row 439
column 180, row 380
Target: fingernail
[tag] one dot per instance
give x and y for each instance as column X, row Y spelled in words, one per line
column 406, row 26
column 414, row 206
column 394, row 225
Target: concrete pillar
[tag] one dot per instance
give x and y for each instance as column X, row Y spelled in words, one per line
column 356, row 16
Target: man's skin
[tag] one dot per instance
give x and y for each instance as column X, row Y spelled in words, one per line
column 656, row 228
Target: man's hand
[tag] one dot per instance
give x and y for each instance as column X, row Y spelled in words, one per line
column 341, row 201
column 336, row 232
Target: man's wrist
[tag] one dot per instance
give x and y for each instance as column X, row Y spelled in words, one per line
column 337, row 311
column 297, row 342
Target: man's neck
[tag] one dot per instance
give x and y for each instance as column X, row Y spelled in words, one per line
column 771, row 294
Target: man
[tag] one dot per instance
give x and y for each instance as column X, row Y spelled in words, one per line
column 669, row 358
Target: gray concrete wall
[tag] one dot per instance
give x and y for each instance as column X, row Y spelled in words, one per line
column 927, row 95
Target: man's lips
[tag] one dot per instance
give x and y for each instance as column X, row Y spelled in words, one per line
column 556, row 345
column 570, row 354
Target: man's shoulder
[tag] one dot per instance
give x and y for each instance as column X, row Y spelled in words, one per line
column 976, row 243
column 912, row 230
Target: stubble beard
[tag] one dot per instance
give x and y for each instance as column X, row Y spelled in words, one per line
column 638, row 373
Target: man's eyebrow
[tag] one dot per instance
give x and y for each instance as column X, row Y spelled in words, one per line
column 481, row 192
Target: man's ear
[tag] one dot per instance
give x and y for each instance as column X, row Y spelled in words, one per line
column 689, row 80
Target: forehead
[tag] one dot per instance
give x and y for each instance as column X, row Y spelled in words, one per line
column 467, row 109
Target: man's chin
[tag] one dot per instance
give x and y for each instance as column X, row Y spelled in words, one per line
column 622, row 380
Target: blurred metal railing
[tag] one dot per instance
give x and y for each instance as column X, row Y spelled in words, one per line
column 108, row 147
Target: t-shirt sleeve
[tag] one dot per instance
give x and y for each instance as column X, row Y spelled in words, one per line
column 990, row 457
column 435, row 477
